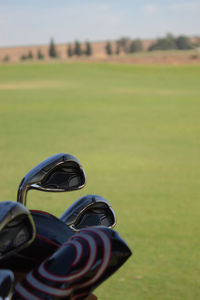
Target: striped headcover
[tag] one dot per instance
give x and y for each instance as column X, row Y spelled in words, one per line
column 77, row 267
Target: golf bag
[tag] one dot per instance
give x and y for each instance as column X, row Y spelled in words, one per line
column 44, row 257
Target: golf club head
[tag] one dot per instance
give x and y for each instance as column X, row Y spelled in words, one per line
column 17, row 229
column 58, row 173
column 89, row 210
column 79, row 266
column 6, row 284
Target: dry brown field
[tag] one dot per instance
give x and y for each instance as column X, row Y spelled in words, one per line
column 15, row 53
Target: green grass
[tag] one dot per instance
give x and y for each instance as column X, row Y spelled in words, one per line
column 136, row 130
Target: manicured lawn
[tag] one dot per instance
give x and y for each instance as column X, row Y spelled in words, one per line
column 136, row 130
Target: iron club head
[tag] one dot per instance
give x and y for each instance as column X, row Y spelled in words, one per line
column 58, row 173
column 89, row 210
column 17, row 229
column 51, row 233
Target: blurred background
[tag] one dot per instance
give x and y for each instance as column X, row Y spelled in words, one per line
column 116, row 84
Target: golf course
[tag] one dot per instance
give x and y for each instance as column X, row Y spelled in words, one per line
column 136, row 131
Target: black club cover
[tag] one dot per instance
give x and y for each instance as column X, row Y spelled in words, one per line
column 77, row 267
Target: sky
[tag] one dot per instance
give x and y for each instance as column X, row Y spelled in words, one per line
column 35, row 22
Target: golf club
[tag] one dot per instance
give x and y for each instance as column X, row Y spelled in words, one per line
column 17, row 229
column 58, row 173
column 89, row 210
column 51, row 233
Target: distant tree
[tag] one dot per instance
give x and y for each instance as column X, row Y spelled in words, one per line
column 183, row 43
column 30, row 55
column 136, row 46
column 77, row 48
column 88, row 48
column 108, row 48
column 6, row 58
column 69, row 51
column 52, row 49
column 158, row 45
column 171, row 41
column 23, row 57
column 117, row 50
column 40, row 55
column 167, row 43
column 124, row 44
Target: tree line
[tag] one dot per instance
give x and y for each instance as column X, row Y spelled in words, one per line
column 72, row 50
column 175, row 43
column 125, row 45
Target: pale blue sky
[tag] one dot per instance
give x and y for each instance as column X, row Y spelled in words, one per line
column 33, row 22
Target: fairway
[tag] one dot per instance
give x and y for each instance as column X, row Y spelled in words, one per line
column 136, row 130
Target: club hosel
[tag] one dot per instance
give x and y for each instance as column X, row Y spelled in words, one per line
column 22, row 194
